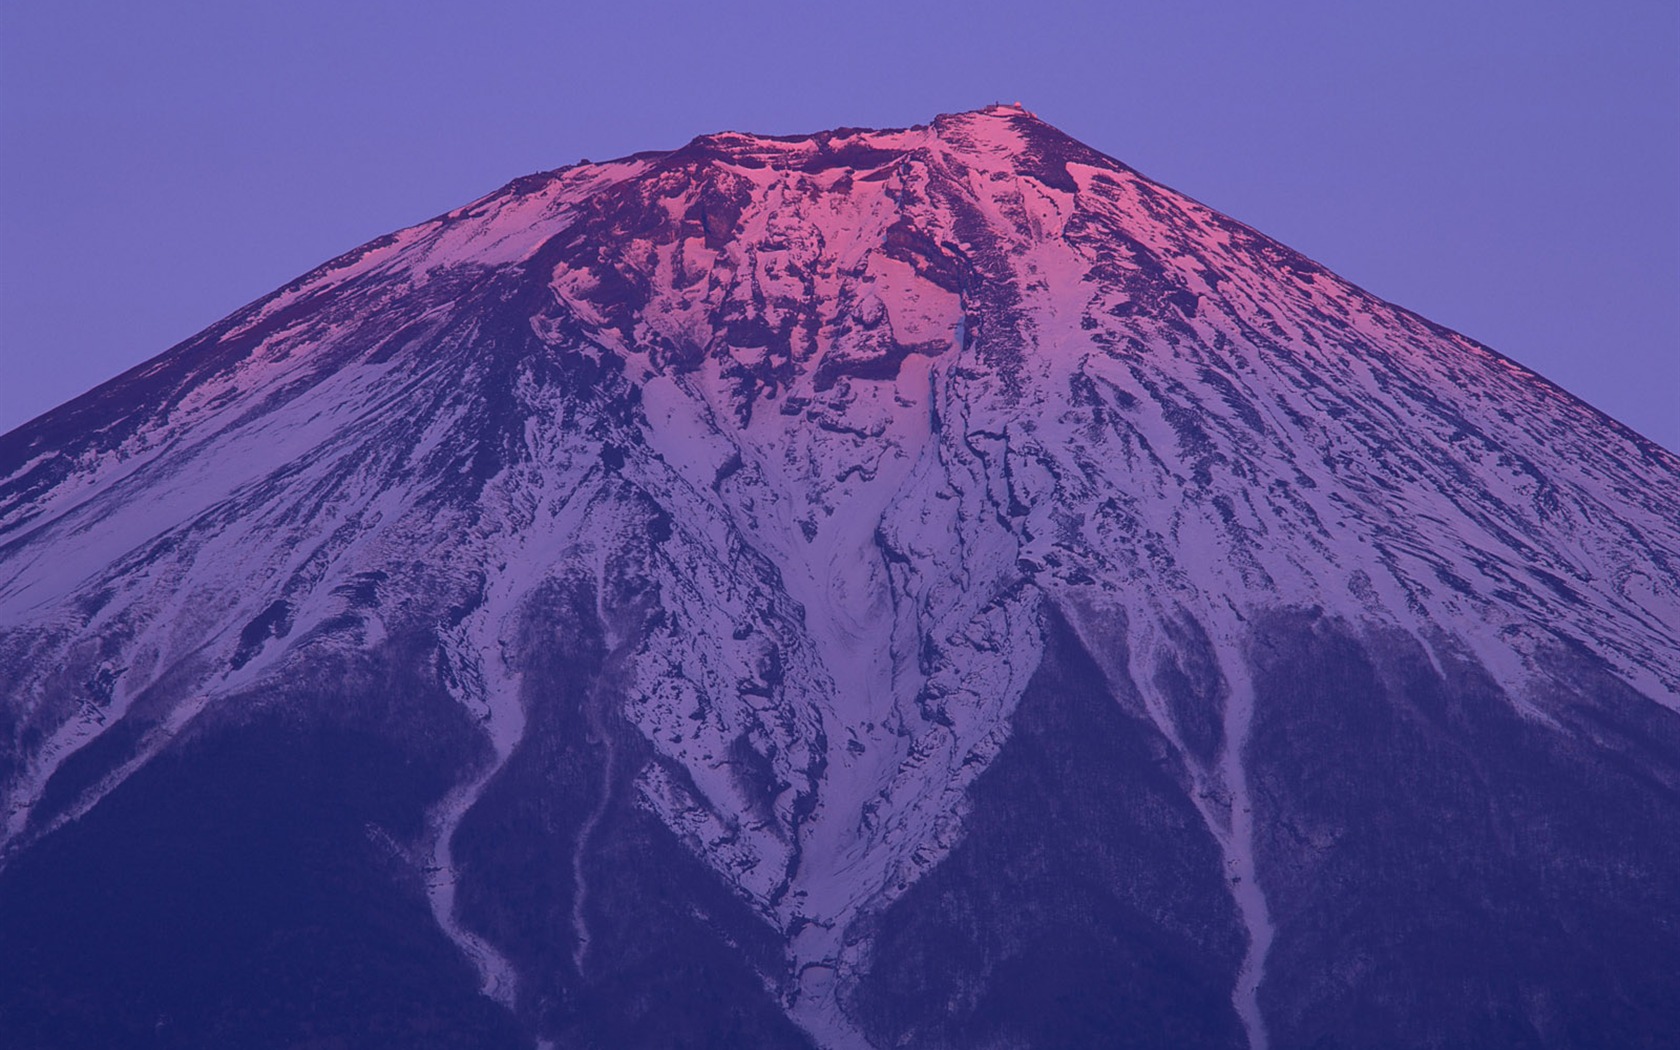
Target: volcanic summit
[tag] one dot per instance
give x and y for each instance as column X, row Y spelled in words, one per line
column 915, row 588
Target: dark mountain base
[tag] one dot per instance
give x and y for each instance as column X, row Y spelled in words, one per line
column 1442, row 872
column 251, row 888
column 246, row 890
column 1084, row 907
column 672, row 958
column 1446, row 873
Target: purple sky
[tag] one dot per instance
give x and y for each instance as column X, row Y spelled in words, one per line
column 1509, row 169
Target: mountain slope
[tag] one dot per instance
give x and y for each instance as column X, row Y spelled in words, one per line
column 929, row 587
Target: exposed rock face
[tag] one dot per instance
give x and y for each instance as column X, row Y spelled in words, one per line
column 928, row 588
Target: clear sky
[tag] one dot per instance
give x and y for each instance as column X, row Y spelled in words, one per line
column 1509, row 169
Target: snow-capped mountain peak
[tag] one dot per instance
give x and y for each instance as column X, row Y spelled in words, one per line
column 776, row 471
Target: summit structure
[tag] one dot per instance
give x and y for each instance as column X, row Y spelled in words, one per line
column 917, row 588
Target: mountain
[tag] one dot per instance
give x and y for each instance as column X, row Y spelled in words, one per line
column 917, row 588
